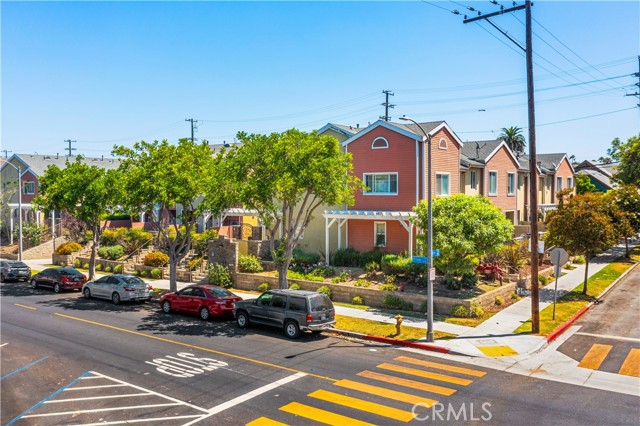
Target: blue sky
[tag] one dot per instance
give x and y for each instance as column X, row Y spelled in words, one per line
column 106, row 73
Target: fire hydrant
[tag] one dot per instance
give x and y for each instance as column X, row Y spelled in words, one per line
column 398, row 324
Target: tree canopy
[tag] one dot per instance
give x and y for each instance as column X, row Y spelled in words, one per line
column 464, row 228
column 514, row 138
column 584, row 184
column 627, row 199
column 627, row 172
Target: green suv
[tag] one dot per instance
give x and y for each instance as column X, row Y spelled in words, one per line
column 292, row 310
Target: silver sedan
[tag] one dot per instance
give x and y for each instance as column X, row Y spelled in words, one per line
column 118, row 288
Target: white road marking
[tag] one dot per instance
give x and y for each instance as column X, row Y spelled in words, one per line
column 4, row 344
column 97, row 410
column 248, row 396
column 95, row 387
column 188, row 366
column 609, row 336
column 90, row 377
column 98, row 397
column 126, row 422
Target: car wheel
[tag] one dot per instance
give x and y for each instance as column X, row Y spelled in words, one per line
column 291, row 329
column 115, row 298
column 34, row 284
column 56, row 288
column 204, row 313
column 242, row 319
column 166, row 307
column 86, row 293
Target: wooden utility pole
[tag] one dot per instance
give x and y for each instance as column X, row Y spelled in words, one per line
column 533, row 161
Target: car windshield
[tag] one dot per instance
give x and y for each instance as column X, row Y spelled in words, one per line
column 18, row 265
column 320, row 302
column 70, row 272
column 132, row 280
column 219, row 292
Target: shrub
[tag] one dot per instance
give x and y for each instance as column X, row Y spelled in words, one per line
column 451, row 282
column 362, row 283
column 294, row 286
column 77, row 263
column 515, row 255
column 323, row 271
column 62, row 263
column 543, row 280
column 393, row 264
column 156, row 258
column 357, row 300
column 579, row 260
column 371, row 269
column 394, row 302
column 499, row 301
column 107, row 269
column 515, row 296
column 305, row 259
column 263, row 287
column 68, row 248
column 300, row 276
column 88, row 236
column 459, row 311
column 346, row 257
column 476, row 311
column 195, row 263
column 85, row 266
column 249, row 264
column 144, row 273
column 200, row 241
column 371, row 256
column 389, row 287
column 155, row 273
column 137, row 273
column 109, row 237
column 326, row 290
column 219, row 274
column 390, row 279
column 424, row 306
column 117, row 269
column 111, row 252
column 99, row 267
column 469, row 280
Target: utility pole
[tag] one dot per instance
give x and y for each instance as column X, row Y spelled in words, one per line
column 533, row 163
column 6, row 153
column 69, row 141
column 193, row 126
column 630, row 94
column 386, row 105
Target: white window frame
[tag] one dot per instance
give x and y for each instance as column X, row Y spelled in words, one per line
column 27, row 184
column 511, row 184
column 448, row 175
column 558, row 183
column 442, row 144
column 379, row 138
column 370, row 192
column 495, row 193
column 375, row 234
column 473, row 179
column 569, row 182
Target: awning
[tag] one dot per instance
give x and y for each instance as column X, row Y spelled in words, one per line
column 368, row 214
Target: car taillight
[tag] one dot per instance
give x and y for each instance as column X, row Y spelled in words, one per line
column 7, row 270
column 149, row 287
column 129, row 289
column 309, row 318
column 65, row 280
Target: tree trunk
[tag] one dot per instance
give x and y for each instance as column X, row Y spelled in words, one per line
column 586, row 274
column 626, row 244
column 173, row 272
column 94, row 249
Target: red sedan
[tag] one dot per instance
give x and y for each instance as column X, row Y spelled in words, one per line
column 204, row 300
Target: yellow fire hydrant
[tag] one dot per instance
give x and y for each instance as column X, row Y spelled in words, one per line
column 398, row 324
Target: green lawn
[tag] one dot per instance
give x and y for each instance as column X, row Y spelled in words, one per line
column 381, row 329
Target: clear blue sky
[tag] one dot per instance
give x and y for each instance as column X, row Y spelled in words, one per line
column 106, row 73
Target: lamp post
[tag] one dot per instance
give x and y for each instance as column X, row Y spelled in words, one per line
column 427, row 137
column 19, row 209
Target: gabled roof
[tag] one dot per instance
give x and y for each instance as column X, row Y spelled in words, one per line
column 341, row 128
column 411, row 130
column 37, row 164
column 523, row 160
column 597, row 175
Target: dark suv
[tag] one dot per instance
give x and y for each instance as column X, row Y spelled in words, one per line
column 291, row 310
column 14, row 270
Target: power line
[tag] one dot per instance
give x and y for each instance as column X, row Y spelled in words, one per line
column 69, row 141
column 387, row 105
column 194, row 126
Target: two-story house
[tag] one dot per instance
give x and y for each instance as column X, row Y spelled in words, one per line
column 599, row 174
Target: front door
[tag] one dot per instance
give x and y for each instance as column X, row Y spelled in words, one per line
column 260, row 311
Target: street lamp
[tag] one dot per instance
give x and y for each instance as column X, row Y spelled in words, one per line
column 19, row 209
column 427, row 137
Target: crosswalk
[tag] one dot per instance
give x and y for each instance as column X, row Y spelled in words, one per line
column 389, row 392
column 598, row 353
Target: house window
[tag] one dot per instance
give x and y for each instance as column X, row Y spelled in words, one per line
column 569, row 182
column 442, row 144
column 381, row 183
column 29, row 187
column 559, row 184
column 473, row 179
column 493, row 183
column 380, row 234
column 511, row 183
column 442, row 183
column 380, row 143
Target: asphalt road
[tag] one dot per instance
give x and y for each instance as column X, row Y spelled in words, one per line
column 609, row 336
column 66, row 360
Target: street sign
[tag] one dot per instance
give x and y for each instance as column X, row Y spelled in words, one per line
column 558, row 256
column 420, row 259
column 436, row 252
column 432, row 274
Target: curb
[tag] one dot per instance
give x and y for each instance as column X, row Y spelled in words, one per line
column 563, row 327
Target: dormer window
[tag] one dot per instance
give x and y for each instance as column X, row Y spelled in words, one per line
column 380, row 143
column 442, row 144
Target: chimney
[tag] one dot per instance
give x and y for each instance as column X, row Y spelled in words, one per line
column 358, row 126
column 57, row 155
column 102, row 157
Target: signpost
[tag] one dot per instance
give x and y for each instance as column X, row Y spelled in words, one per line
column 559, row 257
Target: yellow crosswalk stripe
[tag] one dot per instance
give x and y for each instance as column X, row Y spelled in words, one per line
column 385, row 393
column 439, row 366
column 425, row 374
column 265, row 421
column 360, row 404
column 321, row 416
column 594, row 357
column 631, row 364
column 414, row 384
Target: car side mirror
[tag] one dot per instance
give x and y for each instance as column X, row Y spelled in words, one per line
column 255, row 301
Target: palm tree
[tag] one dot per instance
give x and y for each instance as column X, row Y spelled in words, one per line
column 514, row 138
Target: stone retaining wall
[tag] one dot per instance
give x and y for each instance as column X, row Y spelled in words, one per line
column 103, row 262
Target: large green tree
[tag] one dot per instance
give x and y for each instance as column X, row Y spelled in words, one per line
column 584, row 225
column 158, row 177
column 627, row 199
column 514, row 138
column 627, row 172
column 464, row 228
column 286, row 177
column 584, row 184
column 86, row 192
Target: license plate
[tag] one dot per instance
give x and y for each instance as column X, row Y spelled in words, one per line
column 323, row 317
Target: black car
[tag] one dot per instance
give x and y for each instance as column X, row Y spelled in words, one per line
column 14, row 270
column 59, row 279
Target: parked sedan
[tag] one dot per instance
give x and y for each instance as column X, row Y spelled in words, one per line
column 118, row 288
column 59, row 279
column 204, row 300
column 14, row 270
